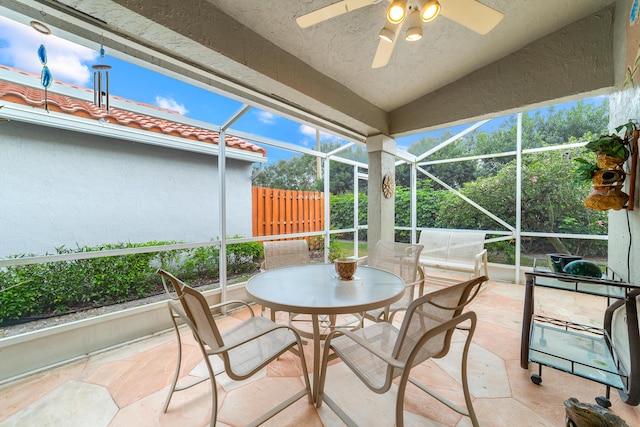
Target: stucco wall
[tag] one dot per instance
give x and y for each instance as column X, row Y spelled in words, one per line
column 65, row 188
column 625, row 225
column 547, row 69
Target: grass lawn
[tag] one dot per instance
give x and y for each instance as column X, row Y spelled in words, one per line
column 347, row 247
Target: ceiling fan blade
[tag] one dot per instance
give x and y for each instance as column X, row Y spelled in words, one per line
column 383, row 53
column 472, row 14
column 331, row 11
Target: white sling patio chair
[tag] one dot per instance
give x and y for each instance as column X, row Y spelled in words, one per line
column 284, row 253
column 244, row 349
column 402, row 260
column 379, row 353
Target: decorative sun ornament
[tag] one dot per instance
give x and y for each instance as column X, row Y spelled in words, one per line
column 388, row 185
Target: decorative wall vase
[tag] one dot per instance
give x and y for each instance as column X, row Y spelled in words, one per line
column 611, row 152
column 604, row 198
column 607, row 177
column 608, row 162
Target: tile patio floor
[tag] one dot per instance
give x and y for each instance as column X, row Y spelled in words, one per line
column 127, row 386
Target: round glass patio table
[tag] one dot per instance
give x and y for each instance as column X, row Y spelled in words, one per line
column 315, row 289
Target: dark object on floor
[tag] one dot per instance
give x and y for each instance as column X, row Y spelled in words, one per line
column 581, row 414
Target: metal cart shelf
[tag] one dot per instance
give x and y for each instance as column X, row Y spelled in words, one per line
column 585, row 350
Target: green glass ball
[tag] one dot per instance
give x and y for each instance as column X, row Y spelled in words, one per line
column 583, row 268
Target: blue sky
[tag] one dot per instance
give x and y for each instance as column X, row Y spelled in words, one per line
column 72, row 63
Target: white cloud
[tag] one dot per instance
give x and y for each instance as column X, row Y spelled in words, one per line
column 66, row 60
column 309, row 131
column 266, row 117
column 171, row 104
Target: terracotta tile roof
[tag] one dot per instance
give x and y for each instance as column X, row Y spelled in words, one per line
column 19, row 94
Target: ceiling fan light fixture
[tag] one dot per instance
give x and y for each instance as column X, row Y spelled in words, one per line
column 397, row 11
column 387, row 34
column 414, row 32
column 430, row 10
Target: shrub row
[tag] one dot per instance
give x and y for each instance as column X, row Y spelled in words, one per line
column 57, row 287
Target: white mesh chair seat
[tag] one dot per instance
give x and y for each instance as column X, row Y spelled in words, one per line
column 402, row 260
column 365, row 364
column 381, row 352
column 244, row 349
column 248, row 348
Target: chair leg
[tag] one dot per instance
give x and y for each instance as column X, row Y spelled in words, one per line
column 323, row 370
column 211, row 376
column 400, row 409
column 214, row 390
column 176, row 375
column 272, row 313
column 305, row 371
column 465, row 382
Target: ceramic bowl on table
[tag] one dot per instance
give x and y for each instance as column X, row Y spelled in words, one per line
column 346, row 267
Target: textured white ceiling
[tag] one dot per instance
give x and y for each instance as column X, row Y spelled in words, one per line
column 342, row 48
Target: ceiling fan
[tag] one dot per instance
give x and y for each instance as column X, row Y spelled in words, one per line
column 469, row 13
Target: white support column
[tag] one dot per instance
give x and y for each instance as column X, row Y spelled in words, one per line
column 518, row 197
column 381, row 211
column 222, row 164
column 327, row 209
column 356, row 208
column 414, row 203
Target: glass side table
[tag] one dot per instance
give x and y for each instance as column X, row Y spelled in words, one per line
column 609, row 355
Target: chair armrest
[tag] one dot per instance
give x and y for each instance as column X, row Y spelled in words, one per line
column 230, row 302
column 362, row 260
column 450, row 325
column 481, row 259
column 421, row 280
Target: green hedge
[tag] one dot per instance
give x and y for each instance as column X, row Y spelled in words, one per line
column 427, row 198
column 57, row 287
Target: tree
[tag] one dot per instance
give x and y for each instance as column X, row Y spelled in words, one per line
column 551, row 127
column 297, row 173
column 454, row 174
column 550, row 203
column 300, row 172
column 543, row 128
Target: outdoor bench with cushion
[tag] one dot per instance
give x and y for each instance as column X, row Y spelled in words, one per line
column 459, row 251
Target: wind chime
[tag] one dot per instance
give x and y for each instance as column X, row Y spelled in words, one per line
column 100, row 87
column 45, row 76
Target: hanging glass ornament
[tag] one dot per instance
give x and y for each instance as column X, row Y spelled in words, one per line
column 42, row 54
column 46, row 78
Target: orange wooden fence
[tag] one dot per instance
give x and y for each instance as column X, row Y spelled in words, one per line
column 286, row 211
